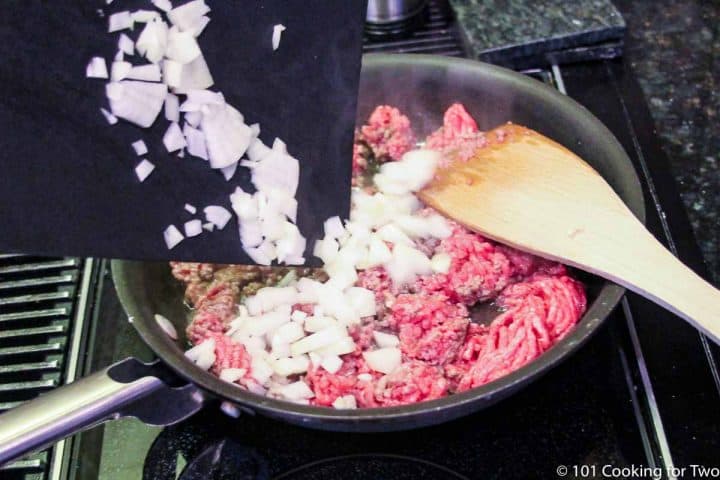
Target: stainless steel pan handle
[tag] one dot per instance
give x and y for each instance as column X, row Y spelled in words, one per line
column 123, row 389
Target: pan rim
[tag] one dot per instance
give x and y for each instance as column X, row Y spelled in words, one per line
column 323, row 417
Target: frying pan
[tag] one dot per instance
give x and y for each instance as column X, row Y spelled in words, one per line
column 173, row 388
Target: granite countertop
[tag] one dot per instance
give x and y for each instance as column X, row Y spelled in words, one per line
column 673, row 46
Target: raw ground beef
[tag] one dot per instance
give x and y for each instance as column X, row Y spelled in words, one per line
column 443, row 351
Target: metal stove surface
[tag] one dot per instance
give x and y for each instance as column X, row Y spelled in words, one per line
column 629, row 397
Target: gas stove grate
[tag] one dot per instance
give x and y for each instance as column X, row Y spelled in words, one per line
column 37, row 307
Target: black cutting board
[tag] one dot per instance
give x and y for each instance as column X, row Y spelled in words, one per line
column 67, row 180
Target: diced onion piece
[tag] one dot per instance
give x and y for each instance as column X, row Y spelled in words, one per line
column 226, row 135
column 119, row 56
column 414, row 170
column 193, row 228
column 257, row 150
column 277, row 170
column 172, row 236
column 277, row 33
column 269, row 298
column 296, row 391
column 291, row 245
column 182, row 46
column 126, row 45
column 181, row 153
column 291, row 365
column 341, row 347
column 384, row 340
column 217, row 215
column 166, row 326
column 378, row 253
column 391, row 233
column 172, row 107
column 315, row 324
column 185, row 15
column 111, row 119
column 244, row 204
column 193, row 119
column 148, row 73
column 229, row 171
column 326, row 249
column 144, row 16
column 196, row 143
column 251, row 234
column 198, row 25
column 190, row 209
column 203, row 354
column 282, row 202
column 120, row 21
column 406, row 264
column 333, row 227
column 260, row 370
column 346, row 402
column 139, row 147
column 440, row 262
column 195, row 74
column 290, row 332
column 96, row 68
column 153, row 40
column 365, row 377
column 232, row 375
column 383, row 360
column 263, row 254
column 423, row 226
column 209, row 226
column 137, row 102
column 317, row 340
column 331, row 363
column 144, row 169
column 163, row 5
column 361, row 300
column 173, row 138
column 119, row 70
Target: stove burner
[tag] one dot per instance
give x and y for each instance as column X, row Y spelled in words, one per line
column 371, row 467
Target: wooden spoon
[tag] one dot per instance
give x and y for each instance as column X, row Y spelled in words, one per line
column 528, row 191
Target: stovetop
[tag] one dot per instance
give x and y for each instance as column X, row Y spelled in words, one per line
column 642, row 392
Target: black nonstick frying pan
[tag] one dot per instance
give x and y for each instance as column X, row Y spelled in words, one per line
column 173, row 388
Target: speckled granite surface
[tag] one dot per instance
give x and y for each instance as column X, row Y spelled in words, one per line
column 673, row 47
column 520, row 28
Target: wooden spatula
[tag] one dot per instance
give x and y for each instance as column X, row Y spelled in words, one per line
column 527, row 191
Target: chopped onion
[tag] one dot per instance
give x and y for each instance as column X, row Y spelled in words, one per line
column 120, row 21
column 331, row 363
column 195, row 74
column 251, row 234
column 440, row 262
column 173, row 138
column 119, row 56
column 229, row 171
column 137, row 102
column 341, row 347
column 291, row 365
column 111, row 119
column 172, row 236
column 203, row 354
column 144, row 169
column 172, row 73
column 144, row 16
column 406, row 264
column 244, row 204
column 193, row 228
column 365, row 377
column 172, row 107
column 163, row 5
column 181, row 46
column 209, row 226
column 186, row 15
column 346, row 402
column 361, row 300
column 181, row 153
column 383, row 360
column 260, row 370
column 96, row 68
column 190, row 209
column 217, row 215
column 120, row 70
column 196, row 143
column 333, row 227
column 318, row 340
column 315, row 323
column 277, row 33
column 296, row 391
column 257, row 150
column 153, row 40
column 414, row 170
column 290, row 332
column 139, row 147
column 232, row 375
column 166, row 326
column 391, row 233
column 149, row 73
column 126, row 45
column 193, row 119
column 269, row 298
column 385, row 339
column 277, row 170
column 198, row 25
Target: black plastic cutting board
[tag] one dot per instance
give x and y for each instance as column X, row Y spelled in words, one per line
column 67, row 181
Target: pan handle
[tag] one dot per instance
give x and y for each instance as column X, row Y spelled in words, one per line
column 123, row 389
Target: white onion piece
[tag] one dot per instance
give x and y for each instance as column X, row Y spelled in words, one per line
column 203, row 354
column 172, row 236
column 282, row 202
column 277, row 170
column 260, row 370
column 291, row 245
column 137, row 102
column 365, row 377
column 269, row 298
column 193, row 228
column 331, row 363
column 111, row 119
column 181, row 153
column 195, row 74
column 196, row 143
column 190, row 209
column 199, row 97
column 244, row 204
column 257, row 150
column 119, row 56
column 424, row 226
column 172, row 73
column 316, row 323
column 383, row 360
column 333, row 227
column 251, row 234
column 346, row 402
column 198, row 25
column 326, row 249
column 96, row 68
column 391, row 233
column 166, row 326
column 185, row 15
column 290, row 332
column 276, row 35
column 193, row 119
column 217, row 215
column 226, row 134
column 298, row 316
column 406, row 264
column 153, row 40
column 291, row 365
column 341, row 347
column 317, row 340
column 172, row 107
column 378, row 253
column 148, row 73
column 144, row 16
column 209, row 226
column 386, row 339
column 414, row 170
column 144, row 169
column 232, row 375
column 173, row 138
column 163, row 5
column 440, row 262
column 181, row 46
column 120, row 21
column 267, row 322
column 296, row 391
column 361, row 300
column 126, row 45
column 120, row 70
